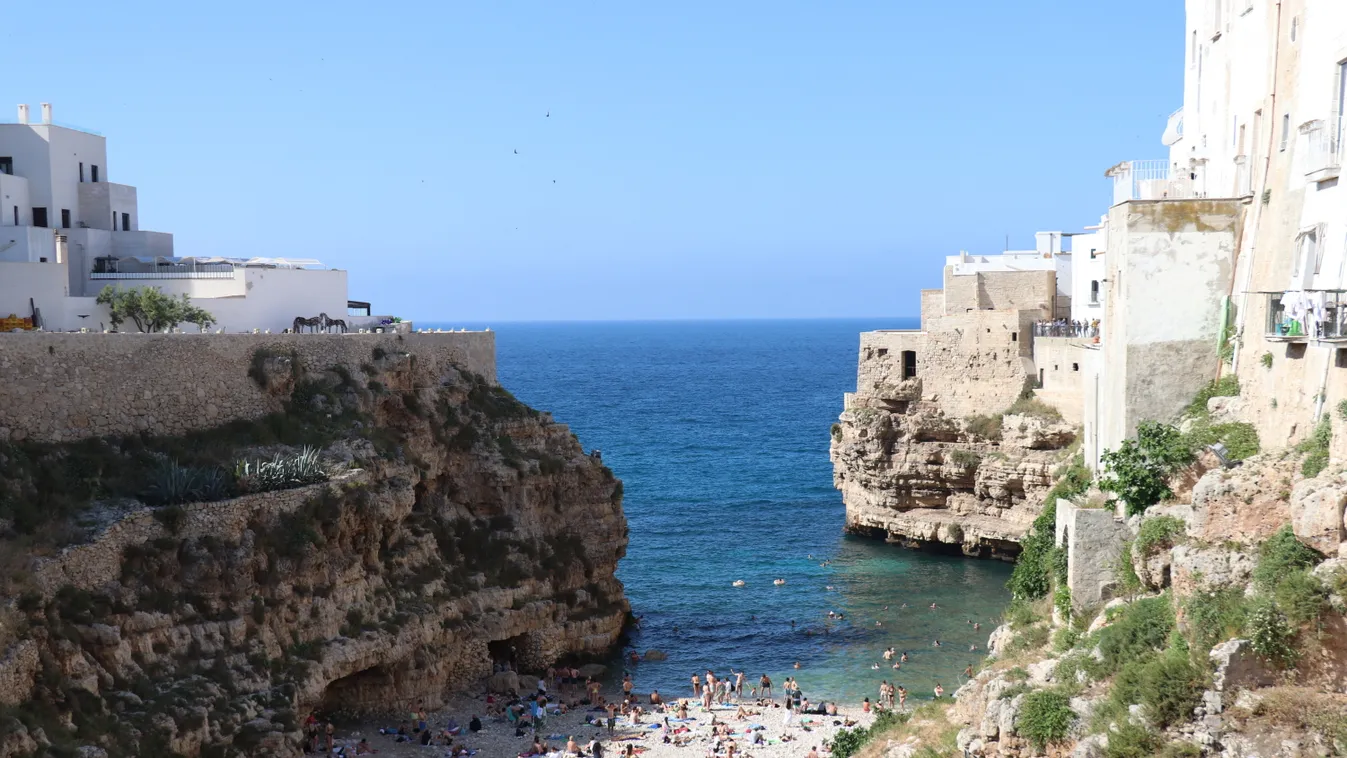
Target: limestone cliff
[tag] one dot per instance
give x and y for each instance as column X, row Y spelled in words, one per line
column 911, row 473
column 456, row 525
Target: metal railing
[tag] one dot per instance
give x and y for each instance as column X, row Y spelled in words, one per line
column 1148, row 180
column 1307, row 315
column 1321, row 149
column 163, row 275
column 1065, row 328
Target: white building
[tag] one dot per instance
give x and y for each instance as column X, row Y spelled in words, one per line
column 1047, row 255
column 66, row 232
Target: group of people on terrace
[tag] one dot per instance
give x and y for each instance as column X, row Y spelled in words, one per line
column 1067, row 328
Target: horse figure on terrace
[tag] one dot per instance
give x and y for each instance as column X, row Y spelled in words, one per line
column 301, row 323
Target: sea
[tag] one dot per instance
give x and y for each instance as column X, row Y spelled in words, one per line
column 720, row 433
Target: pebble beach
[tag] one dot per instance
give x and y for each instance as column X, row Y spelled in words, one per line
column 497, row 738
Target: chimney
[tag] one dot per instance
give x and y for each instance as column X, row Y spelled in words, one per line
column 62, row 253
column 46, row 113
column 23, row 114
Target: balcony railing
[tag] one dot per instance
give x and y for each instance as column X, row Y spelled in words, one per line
column 1322, row 150
column 1148, row 180
column 1304, row 315
column 1067, row 328
column 163, row 275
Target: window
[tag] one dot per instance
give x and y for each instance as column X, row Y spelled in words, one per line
column 1340, row 358
column 1310, row 257
column 40, row 217
column 883, row 351
column 1094, row 291
column 93, row 173
column 1014, row 336
column 81, row 172
column 7, row 165
column 1295, row 26
column 1192, row 55
column 126, row 222
column 65, row 218
column 909, row 364
column 1075, row 367
column 1286, row 131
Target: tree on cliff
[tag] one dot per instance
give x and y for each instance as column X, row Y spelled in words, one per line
column 150, row 309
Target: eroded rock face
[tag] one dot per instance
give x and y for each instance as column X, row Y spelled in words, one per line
column 1317, row 512
column 466, row 528
column 911, row 474
column 1248, row 503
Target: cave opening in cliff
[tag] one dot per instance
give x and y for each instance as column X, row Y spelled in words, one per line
column 370, row 687
column 508, row 650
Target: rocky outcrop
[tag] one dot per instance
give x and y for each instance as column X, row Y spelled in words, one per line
column 458, row 527
column 1247, row 503
column 913, row 475
column 1317, row 507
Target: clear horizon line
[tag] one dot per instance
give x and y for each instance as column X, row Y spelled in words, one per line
column 654, row 320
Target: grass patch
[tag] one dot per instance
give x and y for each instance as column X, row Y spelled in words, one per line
column 1029, row 406
column 1315, row 448
column 1214, row 616
column 1226, row 386
column 986, row 427
column 1157, row 534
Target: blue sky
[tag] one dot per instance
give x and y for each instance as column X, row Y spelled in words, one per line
column 701, row 160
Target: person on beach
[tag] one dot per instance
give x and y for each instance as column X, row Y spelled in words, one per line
column 939, row 691
column 765, row 686
column 865, row 705
column 683, row 710
column 612, row 717
column 330, row 729
column 813, row 752
column 626, row 685
column 902, row 698
column 738, row 683
column 655, row 698
column 696, row 686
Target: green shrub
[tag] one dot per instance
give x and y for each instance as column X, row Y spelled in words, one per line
column 1157, row 534
column 1281, row 554
column 986, row 427
column 1342, row 410
column 1171, row 687
column 836, row 432
column 1142, row 627
column 1270, row 633
column 1139, row 470
column 1181, row 749
column 1267, row 360
column 1045, row 718
column 1213, row 616
column 965, row 459
column 1129, row 583
column 1301, row 596
column 1129, row 740
column 1017, row 674
column 1226, row 386
column 1240, row 438
column 1021, row 613
column 1315, row 448
column 848, row 742
column 1032, row 576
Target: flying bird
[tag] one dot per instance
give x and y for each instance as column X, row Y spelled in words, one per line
column 516, row 152
column 549, row 115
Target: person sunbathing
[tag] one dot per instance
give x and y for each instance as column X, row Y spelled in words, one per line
column 741, row 714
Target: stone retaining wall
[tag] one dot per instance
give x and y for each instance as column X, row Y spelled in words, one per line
column 63, row 387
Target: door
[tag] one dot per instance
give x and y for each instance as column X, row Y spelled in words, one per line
column 40, row 217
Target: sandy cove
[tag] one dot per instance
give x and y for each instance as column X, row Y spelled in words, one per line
column 497, row 740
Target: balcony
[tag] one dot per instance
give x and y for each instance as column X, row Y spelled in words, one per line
column 1173, row 129
column 1322, row 148
column 149, row 267
column 1302, row 316
column 1148, row 180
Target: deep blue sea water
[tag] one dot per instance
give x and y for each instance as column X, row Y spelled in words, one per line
column 720, row 433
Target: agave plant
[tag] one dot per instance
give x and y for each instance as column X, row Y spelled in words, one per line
column 281, row 472
column 172, row 483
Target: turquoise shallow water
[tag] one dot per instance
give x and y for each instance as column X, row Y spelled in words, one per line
column 720, row 433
